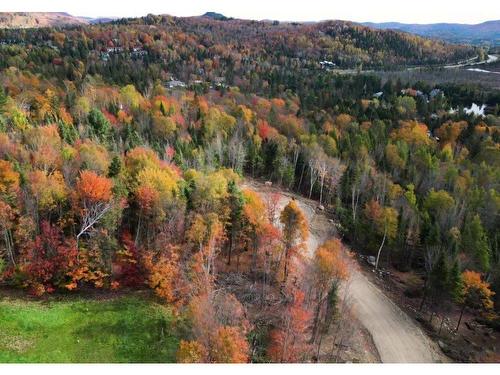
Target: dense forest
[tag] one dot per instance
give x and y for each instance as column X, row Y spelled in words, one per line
column 124, row 148
column 253, row 55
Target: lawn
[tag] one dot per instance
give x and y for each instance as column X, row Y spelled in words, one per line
column 118, row 329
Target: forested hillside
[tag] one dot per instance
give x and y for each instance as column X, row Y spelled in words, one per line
column 14, row 20
column 123, row 149
column 247, row 53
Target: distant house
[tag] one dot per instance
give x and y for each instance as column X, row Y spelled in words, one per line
column 114, row 50
column 219, row 81
column 476, row 110
column 327, row 64
column 430, row 135
column 50, row 45
column 435, row 92
column 414, row 93
column 138, row 52
column 172, row 84
column 409, row 92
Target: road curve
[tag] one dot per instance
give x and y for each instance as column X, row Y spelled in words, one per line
column 397, row 337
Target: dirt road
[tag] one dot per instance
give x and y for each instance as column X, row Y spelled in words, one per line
column 397, row 337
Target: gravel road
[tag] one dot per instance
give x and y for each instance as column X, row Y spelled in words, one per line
column 397, row 337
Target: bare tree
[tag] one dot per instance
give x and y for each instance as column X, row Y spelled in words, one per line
column 91, row 214
column 236, row 152
column 358, row 186
column 314, row 154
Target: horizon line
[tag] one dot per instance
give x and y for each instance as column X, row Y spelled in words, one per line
column 114, row 17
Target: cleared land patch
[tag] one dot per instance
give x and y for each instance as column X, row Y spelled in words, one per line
column 118, row 329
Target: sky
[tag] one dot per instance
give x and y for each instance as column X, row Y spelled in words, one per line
column 413, row 11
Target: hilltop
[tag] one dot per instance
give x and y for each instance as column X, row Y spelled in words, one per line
column 39, row 19
column 216, row 16
column 345, row 44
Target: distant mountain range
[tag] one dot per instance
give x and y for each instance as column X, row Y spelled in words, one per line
column 24, row 20
column 39, row 19
column 486, row 33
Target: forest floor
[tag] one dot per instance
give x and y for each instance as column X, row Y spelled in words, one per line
column 128, row 327
column 378, row 329
column 473, row 342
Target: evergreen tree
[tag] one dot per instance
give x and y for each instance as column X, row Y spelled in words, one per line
column 3, row 101
column 236, row 202
column 115, row 167
column 475, row 242
column 100, row 126
column 455, row 282
column 439, row 278
column 67, row 132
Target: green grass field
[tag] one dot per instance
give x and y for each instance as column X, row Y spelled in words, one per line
column 121, row 329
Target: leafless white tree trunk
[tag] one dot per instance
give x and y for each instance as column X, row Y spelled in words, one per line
column 92, row 213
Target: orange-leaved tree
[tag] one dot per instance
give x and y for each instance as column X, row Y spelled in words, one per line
column 475, row 294
column 288, row 340
column 229, row 346
column 94, row 195
column 295, row 232
column 253, row 219
column 330, row 267
column 165, row 276
column 218, row 324
column 191, row 352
